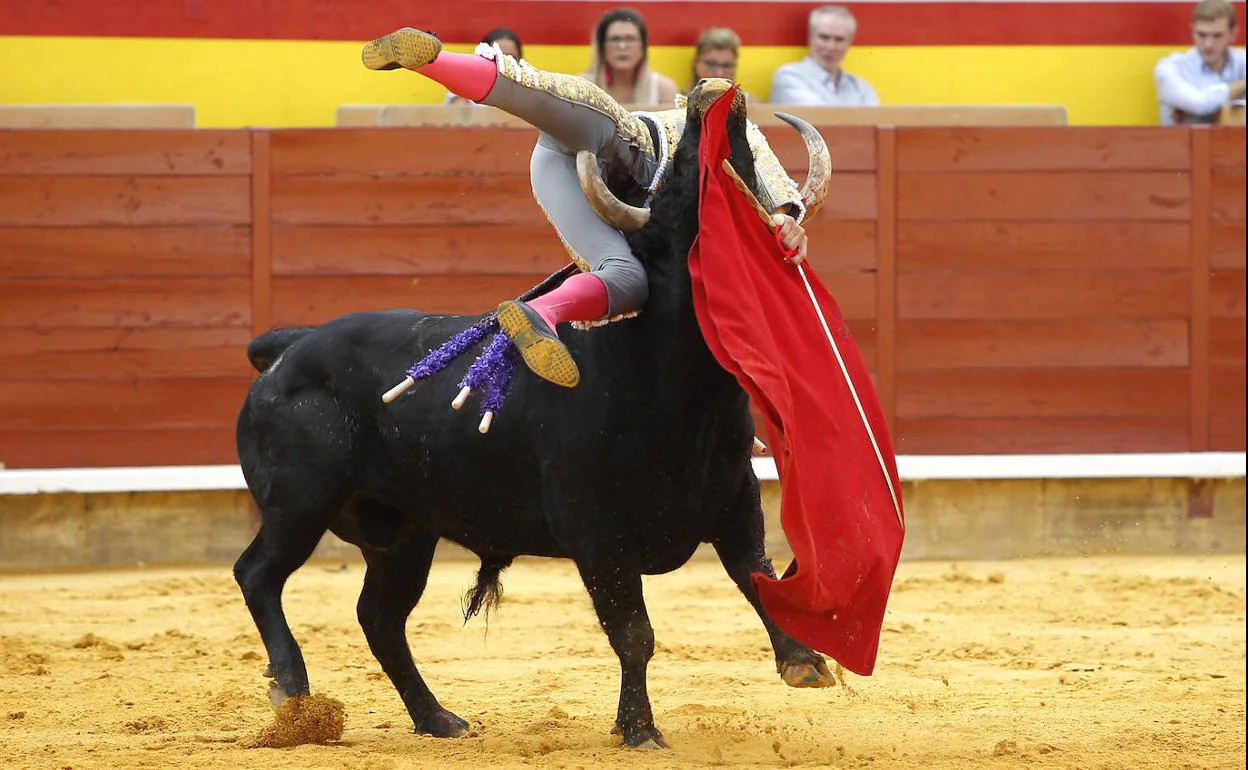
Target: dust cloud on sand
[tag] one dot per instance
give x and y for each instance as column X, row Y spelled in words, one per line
column 1062, row 663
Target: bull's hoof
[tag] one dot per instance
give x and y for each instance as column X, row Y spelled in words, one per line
column 442, row 724
column 807, row 673
column 277, row 696
column 647, row 738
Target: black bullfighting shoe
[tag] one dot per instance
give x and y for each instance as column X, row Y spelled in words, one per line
column 408, row 48
column 541, row 349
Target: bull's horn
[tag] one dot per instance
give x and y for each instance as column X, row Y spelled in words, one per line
column 819, row 172
column 611, row 209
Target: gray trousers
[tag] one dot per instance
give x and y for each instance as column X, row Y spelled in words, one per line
column 567, row 128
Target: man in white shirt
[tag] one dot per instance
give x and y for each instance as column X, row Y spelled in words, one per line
column 1193, row 86
column 818, row 79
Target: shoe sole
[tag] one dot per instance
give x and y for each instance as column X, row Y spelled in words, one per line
column 546, row 358
column 408, row 48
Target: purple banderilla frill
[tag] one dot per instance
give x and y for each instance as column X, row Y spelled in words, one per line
column 495, row 365
column 493, row 369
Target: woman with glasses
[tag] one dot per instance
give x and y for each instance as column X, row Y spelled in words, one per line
column 716, row 55
column 634, row 150
column 619, row 65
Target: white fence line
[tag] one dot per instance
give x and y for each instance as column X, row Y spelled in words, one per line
column 1184, row 465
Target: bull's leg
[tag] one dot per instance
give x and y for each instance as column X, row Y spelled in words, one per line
column 740, row 546
column 280, row 547
column 393, row 584
column 621, row 609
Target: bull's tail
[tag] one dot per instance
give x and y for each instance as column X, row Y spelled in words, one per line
column 488, row 591
column 265, row 349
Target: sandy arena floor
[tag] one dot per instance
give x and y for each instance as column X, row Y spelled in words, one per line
column 1070, row 663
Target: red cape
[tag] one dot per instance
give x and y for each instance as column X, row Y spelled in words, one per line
column 840, row 497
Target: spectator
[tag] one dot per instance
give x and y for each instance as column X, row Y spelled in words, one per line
column 716, row 55
column 819, row 79
column 1193, row 86
column 619, row 64
column 507, row 42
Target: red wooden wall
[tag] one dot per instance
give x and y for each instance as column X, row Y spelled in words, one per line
column 1048, row 292
column 1221, row 243
column 125, row 295
column 1015, row 290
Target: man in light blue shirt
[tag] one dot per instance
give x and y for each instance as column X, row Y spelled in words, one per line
column 1193, row 86
column 818, row 80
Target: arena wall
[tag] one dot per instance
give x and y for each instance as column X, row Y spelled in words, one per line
column 969, row 519
column 1015, row 290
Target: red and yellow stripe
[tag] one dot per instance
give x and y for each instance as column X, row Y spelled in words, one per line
column 292, row 62
column 568, row 22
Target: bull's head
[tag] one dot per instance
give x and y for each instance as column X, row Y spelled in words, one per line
column 628, row 218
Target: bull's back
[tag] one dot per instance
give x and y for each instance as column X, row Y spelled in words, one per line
column 320, row 385
column 318, row 406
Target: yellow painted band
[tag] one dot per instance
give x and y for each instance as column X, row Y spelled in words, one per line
column 280, row 83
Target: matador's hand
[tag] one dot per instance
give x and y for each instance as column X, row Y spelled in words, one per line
column 792, row 237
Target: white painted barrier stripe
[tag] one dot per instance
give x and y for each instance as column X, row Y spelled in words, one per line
column 1185, row 465
column 167, row 478
column 1182, row 465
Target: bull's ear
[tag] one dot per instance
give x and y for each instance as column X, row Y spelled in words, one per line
column 820, row 168
column 609, row 208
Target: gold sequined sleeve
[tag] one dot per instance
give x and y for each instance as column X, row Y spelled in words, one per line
column 776, row 189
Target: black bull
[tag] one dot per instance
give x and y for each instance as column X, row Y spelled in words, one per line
column 625, row 474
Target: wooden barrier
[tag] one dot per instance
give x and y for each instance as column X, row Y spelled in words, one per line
column 125, row 304
column 97, row 116
column 415, row 115
column 1015, row 289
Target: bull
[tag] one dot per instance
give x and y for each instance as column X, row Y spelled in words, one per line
column 625, row 474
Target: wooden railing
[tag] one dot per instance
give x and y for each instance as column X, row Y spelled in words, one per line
column 97, row 116
column 1016, row 290
column 467, row 114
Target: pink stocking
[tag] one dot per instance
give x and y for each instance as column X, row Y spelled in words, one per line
column 582, row 297
column 465, row 75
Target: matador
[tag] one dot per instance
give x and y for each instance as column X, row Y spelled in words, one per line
column 634, row 150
